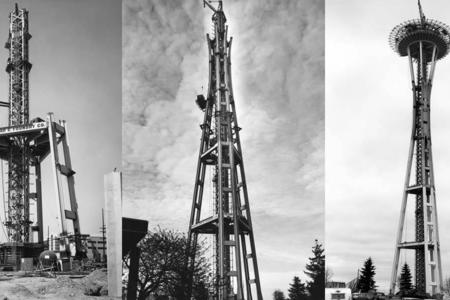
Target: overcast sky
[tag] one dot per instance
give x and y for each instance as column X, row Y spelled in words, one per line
column 76, row 55
column 368, row 127
column 277, row 56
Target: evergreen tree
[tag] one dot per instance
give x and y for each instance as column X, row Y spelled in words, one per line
column 278, row 295
column 405, row 279
column 297, row 290
column 366, row 281
column 315, row 269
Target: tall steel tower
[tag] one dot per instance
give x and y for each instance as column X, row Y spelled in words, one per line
column 19, row 159
column 24, row 144
column 229, row 222
column 424, row 41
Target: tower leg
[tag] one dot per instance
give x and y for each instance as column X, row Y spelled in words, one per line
column 246, row 270
column 402, row 216
column 37, row 168
column 434, row 217
column 236, row 206
column 198, row 196
column 248, row 216
column 71, row 186
column 55, row 168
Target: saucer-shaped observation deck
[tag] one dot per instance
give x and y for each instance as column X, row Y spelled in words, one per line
column 431, row 33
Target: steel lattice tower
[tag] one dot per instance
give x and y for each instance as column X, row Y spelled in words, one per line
column 25, row 144
column 18, row 67
column 424, row 41
column 220, row 150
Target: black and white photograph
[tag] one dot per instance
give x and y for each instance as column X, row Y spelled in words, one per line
column 60, row 133
column 208, row 87
column 224, row 149
column 386, row 212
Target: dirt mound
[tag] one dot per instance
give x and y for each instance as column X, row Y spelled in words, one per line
column 96, row 283
column 55, row 286
column 21, row 290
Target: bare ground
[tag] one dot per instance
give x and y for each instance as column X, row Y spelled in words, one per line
column 18, row 286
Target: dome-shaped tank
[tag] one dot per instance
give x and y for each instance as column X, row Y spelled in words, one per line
column 48, row 259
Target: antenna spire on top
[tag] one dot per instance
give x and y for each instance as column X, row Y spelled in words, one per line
column 208, row 3
column 16, row 8
column 422, row 16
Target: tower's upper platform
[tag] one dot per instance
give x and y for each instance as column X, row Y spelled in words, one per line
column 429, row 32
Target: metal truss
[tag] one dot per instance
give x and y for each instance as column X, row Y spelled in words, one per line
column 235, row 262
column 19, row 160
column 41, row 139
column 25, row 144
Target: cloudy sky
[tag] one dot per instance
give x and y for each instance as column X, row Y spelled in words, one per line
column 277, row 56
column 368, row 127
column 76, row 55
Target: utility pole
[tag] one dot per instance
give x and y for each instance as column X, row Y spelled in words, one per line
column 103, row 231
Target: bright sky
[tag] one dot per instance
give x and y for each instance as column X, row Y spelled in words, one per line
column 76, row 55
column 277, row 56
column 368, row 127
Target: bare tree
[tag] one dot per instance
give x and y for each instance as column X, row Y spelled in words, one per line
column 163, row 267
column 328, row 275
column 446, row 286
